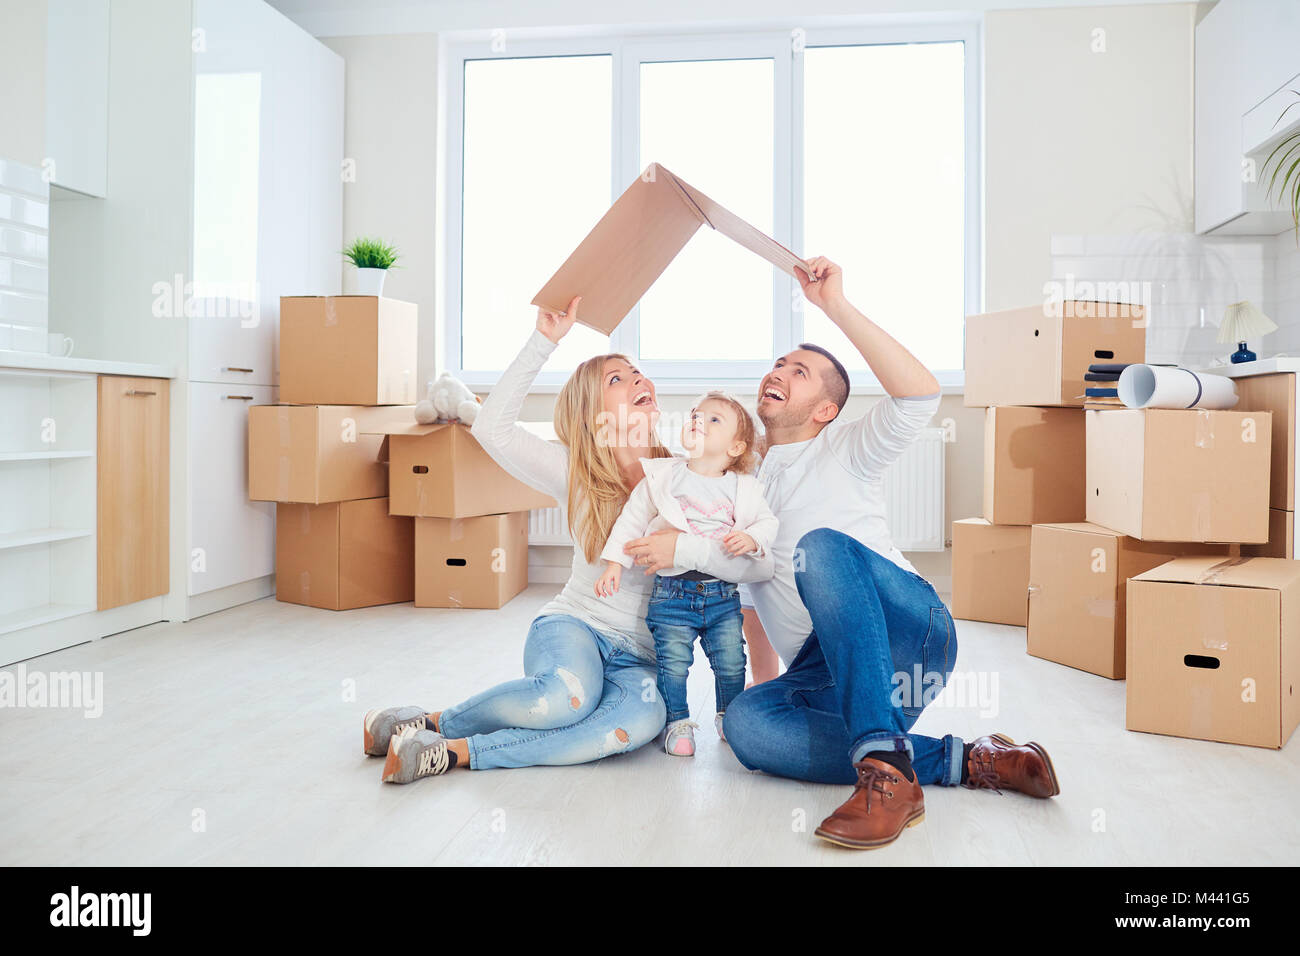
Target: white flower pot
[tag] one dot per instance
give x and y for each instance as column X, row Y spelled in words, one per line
column 371, row 281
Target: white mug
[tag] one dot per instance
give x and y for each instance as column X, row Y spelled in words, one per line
column 60, row 345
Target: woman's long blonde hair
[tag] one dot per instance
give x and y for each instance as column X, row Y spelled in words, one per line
column 597, row 491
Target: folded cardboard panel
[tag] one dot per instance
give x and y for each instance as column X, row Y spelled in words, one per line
column 441, row 471
column 347, row 350
column 1281, row 537
column 990, row 571
column 479, row 562
column 1275, row 394
column 1163, row 474
column 1033, row 464
column 1078, row 576
column 344, row 554
column 1040, row 354
column 1214, row 650
column 633, row 243
column 318, row 453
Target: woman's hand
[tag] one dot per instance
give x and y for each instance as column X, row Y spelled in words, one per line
column 823, row 284
column 556, row 325
column 654, row 552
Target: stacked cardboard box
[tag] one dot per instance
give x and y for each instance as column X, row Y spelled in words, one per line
column 373, row 508
column 1027, row 368
column 345, row 370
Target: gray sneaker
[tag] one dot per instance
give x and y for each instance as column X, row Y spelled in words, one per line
column 380, row 726
column 416, row 754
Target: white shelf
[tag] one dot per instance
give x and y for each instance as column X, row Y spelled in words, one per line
column 43, row 455
column 22, row 539
column 32, row 616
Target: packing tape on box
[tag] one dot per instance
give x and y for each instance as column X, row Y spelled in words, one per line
column 304, row 585
column 1102, row 607
column 453, row 598
column 283, row 469
column 1212, row 574
column 456, row 529
column 331, row 316
column 1204, row 428
column 304, row 522
column 286, row 433
column 1201, row 508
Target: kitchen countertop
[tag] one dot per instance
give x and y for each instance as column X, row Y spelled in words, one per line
column 40, row 362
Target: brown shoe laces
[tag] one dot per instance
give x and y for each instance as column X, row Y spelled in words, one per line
column 873, row 779
column 984, row 773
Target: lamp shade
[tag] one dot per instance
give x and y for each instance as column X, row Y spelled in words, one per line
column 1243, row 321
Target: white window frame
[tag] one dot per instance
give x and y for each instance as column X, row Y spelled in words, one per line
column 628, row 51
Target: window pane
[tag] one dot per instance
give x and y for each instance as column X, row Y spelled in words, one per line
column 710, row 122
column 884, row 191
column 536, row 167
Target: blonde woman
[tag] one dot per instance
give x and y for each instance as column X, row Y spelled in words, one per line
column 589, row 684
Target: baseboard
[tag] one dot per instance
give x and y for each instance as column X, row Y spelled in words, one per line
column 71, row 631
column 209, row 602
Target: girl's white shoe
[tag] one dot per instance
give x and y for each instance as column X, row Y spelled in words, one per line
column 717, row 723
column 679, row 738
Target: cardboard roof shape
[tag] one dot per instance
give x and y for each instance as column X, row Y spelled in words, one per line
column 635, row 241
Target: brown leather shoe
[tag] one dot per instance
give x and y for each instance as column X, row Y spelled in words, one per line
column 996, row 763
column 883, row 804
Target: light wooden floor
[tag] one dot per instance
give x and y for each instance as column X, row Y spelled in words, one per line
column 244, row 720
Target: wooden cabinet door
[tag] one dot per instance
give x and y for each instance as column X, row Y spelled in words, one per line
column 133, row 489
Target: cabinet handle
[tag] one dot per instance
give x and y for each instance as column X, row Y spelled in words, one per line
column 138, row 391
column 232, row 368
column 242, row 398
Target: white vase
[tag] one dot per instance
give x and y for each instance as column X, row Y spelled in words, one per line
column 371, row 281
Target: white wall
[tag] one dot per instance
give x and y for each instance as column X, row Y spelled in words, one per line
column 1081, row 142
column 22, row 81
column 390, row 132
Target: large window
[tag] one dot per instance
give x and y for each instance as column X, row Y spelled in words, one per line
column 861, row 145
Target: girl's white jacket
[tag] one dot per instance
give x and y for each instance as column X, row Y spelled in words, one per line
column 652, row 507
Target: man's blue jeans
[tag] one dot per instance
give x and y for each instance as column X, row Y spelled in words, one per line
column 882, row 646
column 680, row 611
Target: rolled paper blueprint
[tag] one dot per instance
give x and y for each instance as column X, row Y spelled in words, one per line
column 1162, row 386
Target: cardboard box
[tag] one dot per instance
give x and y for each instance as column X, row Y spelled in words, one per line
column 1078, row 577
column 1033, row 464
column 990, row 571
column 1179, row 474
column 318, row 453
column 1281, row 537
column 470, row 562
column 1039, row 355
column 1275, row 394
column 441, row 471
column 343, row 555
column 347, row 350
column 635, row 241
column 1214, row 650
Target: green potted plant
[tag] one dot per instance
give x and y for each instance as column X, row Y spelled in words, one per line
column 1287, row 154
column 373, row 258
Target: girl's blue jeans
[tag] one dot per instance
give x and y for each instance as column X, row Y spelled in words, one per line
column 679, row 612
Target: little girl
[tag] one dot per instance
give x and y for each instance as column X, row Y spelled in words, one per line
column 710, row 493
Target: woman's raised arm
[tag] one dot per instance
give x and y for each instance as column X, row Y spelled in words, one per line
column 530, row 458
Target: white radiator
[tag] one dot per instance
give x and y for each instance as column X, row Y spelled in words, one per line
column 914, row 496
column 546, row 526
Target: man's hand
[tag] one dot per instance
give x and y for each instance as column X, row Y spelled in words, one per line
column 654, row 552
column 556, row 325
column 824, row 287
column 738, row 543
column 607, row 583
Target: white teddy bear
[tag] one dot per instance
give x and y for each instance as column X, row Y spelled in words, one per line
column 449, row 400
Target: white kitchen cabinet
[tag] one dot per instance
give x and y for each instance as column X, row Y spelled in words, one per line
column 1245, row 57
column 76, row 94
column 232, row 539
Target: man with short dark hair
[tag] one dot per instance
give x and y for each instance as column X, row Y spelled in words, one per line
column 858, row 628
